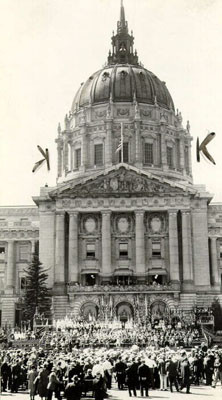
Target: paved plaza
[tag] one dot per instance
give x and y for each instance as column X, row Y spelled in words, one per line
column 197, row 392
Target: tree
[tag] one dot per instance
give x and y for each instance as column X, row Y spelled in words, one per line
column 37, row 295
column 217, row 313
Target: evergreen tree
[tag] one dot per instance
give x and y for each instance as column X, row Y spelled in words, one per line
column 37, row 295
column 217, row 313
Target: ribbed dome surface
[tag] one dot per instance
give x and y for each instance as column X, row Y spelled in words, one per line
column 121, row 82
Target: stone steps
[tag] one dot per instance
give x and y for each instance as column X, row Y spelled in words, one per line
column 187, row 301
column 61, row 307
column 8, row 311
column 76, row 306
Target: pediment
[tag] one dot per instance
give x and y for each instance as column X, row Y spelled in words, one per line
column 120, row 182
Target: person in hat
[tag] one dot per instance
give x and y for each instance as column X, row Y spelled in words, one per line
column 144, row 378
column 43, row 380
column 73, row 389
column 185, row 373
column 162, row 373
column 32, row 375
column 99, row 387
column 172, row 373
column 53, row 384
column 217, row 371
column 132, row 378
column 120, row 369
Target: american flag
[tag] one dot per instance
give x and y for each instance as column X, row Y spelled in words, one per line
column 120, row 145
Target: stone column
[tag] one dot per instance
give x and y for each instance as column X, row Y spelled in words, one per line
column 163, row 146
column 47, row 233
column 59, row 166
column 140, row 244
column 138, row 156
column 10, row 280
column 187, row 250
column 173, row 247
column 60, row 252
column 83, row 148
column 163, row 248
column 215, row 274
column 182, row 154
column 108, row 143
column 65, row 157
column 190, row 159
column 33, row 242
column 106, row 244
column 200, row 248
column 73, row 247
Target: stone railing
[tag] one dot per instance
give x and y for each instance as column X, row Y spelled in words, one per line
column 121, row 288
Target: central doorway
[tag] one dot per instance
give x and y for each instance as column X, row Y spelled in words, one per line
column 124, row 312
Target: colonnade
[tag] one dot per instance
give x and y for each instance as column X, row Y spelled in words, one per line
column 10, row 276
column 140, row 247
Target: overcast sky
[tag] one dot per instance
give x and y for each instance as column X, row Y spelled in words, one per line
column 48, row 47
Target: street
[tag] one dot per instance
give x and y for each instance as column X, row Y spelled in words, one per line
column 115, row 394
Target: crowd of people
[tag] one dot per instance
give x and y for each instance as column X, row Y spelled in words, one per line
column 73, row 374
column 110, row 334
column 78, row 357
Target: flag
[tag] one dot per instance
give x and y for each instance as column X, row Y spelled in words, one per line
column 120, row 145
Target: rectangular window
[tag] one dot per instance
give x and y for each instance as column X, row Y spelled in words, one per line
column 24, row 253
column 156, row 250
column 148, row 153
column 170, row 157
column 98, row 154
column 90, row 250
column 2, row 254
column 123, row 250
column 77, row 158
column 125, row 153
column 23, row 283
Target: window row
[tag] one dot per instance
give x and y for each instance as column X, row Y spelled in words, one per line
column 123, row 250
column 172, row 156
column 23, row 253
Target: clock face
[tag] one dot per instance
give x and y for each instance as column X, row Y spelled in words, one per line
column 155, row 224
column 90, row 225
column 123, row 224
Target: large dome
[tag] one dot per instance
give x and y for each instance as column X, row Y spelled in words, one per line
column 123, row 113
column 121, row 83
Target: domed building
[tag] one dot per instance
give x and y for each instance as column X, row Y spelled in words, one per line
column 125, row 232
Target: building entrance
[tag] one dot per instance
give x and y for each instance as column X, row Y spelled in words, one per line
column 89, row 312
column 124, row 312
column 158, row 309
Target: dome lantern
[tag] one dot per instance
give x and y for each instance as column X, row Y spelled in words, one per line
column 122, row 43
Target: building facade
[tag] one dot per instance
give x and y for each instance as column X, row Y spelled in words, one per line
column 124, row 232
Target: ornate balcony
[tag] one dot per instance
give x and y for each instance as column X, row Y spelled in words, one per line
column 143, row 288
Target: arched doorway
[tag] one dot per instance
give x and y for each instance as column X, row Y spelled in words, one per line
column 158, row 310
column 124, row 312
column 89, row 311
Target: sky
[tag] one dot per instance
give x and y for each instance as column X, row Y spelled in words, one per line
column 48, row 47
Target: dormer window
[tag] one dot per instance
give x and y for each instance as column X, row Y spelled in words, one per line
column 98, row 154
column 77, row 158
column 148, row 153
column 170, row 157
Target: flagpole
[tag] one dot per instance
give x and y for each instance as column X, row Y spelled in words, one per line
column 122, row 142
